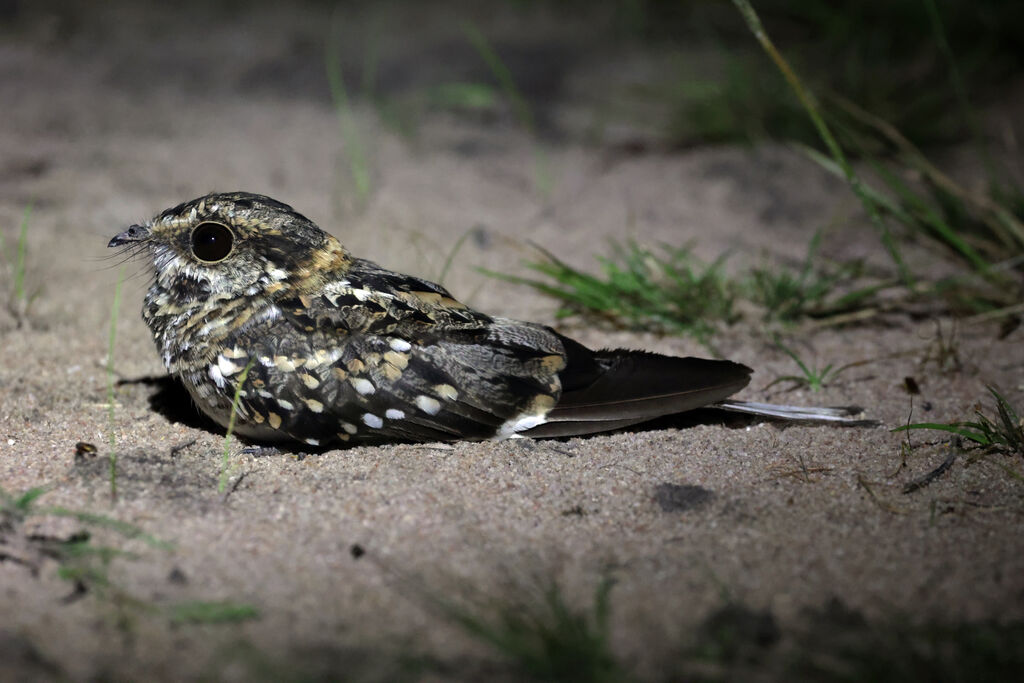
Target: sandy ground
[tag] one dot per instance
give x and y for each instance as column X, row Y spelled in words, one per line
column 107, row 122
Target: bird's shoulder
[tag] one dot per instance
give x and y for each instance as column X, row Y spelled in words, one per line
column 365, row 298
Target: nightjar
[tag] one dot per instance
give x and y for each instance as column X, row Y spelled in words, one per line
column 334, row 348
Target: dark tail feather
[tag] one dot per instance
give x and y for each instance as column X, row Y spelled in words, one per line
column 603, row 390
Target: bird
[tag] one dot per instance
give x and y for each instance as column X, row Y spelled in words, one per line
column 275, row 328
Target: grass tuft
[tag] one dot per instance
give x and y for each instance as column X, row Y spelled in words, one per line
column 550, row 640
column 673, row 292
column 20, row 299
column 814, row 379
column 641, row 290
column 86, row 564
column 789, row 295
column 1004, row 432
column 893, row 57
column 79, row 559
column 978, row 229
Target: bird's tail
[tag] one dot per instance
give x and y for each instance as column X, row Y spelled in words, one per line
column 605, row 390
column 611, row 389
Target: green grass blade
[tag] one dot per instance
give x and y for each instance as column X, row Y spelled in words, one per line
column 792, row 354
column 853, row 298
column 523, row 113
column 126, row 529
column 114, row 310
column 23, row 502
column 358, row 164
column 874, row 195
column 212, row 612
column 545, row 288
column 92, row 576
column 466, row 96
column 501, row 73
column 957, row 82
column 976, row 437
column 222, row 481
column 812, row 250
column 19, row 264
column 811, row 107
column 452, row 253
column 927, row 215
column 1004, row 406
column 75, row 550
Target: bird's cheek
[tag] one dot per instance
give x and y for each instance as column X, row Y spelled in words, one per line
column 235, row 281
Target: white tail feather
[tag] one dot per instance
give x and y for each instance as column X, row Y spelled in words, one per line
column 844, row 414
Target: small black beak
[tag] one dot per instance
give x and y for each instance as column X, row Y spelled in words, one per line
column 136, row 233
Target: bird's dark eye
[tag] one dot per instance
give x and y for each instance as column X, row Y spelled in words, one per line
column 211, row 242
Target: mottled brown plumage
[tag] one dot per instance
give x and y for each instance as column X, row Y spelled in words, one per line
column 339, row 349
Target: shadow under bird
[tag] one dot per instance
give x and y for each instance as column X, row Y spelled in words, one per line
column 334, row 348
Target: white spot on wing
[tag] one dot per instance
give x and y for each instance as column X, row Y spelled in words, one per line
column 362, row 385
column 371, row 420
column 430, row 406
column 349, row 427
column 399, row 345
column 394, row 414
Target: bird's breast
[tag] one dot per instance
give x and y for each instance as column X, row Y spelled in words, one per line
column 191, row 334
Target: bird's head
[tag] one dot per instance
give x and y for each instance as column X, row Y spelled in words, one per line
column 234, row 244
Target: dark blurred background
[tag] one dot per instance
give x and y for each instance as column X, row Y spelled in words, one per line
column 925, row 94
column 676, row 72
